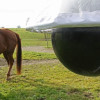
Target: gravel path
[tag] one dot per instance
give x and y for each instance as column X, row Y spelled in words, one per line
column 3, row 62
column 38, row 49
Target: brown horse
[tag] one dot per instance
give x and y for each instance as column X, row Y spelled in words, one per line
column 8, row 41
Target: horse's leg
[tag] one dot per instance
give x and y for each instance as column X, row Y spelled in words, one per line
column 6, row 57
column 11, row 61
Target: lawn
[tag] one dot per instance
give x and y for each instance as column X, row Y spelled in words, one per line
column 33, row 39
column 29, row 55
column 48, row 82
column 45, row 81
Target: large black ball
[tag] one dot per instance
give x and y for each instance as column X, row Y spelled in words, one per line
column 78, row 49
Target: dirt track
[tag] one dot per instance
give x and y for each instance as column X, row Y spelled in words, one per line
column 29, row 62
column 38, row 49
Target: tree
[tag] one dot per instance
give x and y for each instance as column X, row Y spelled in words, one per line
column 18, row 26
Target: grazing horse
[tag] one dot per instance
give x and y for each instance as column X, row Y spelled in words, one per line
column 8, row 41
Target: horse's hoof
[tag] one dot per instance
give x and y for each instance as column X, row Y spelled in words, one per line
column 8, row 78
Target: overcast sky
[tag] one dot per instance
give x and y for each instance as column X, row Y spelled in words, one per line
column 16, row 12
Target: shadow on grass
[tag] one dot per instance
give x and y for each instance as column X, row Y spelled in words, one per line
column 44, row 93
column 40, row 90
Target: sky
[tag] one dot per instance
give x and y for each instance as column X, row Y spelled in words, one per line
column 15, row 13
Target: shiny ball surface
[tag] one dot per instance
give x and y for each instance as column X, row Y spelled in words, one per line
column 78, row 49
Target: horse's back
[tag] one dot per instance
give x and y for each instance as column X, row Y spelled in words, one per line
column 8, row 40
column 8, row 34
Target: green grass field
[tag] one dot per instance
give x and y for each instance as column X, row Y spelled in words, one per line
column 46, row 81
column 32, row 39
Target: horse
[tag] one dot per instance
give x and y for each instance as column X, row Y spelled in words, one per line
column 10, row 40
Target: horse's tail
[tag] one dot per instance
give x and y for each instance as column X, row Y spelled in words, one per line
column 18, row 54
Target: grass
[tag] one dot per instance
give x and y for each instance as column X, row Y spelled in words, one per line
column 38, row 56
column 30, row 55
column 48, row 82
column 33, row 39
column 28, row 42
